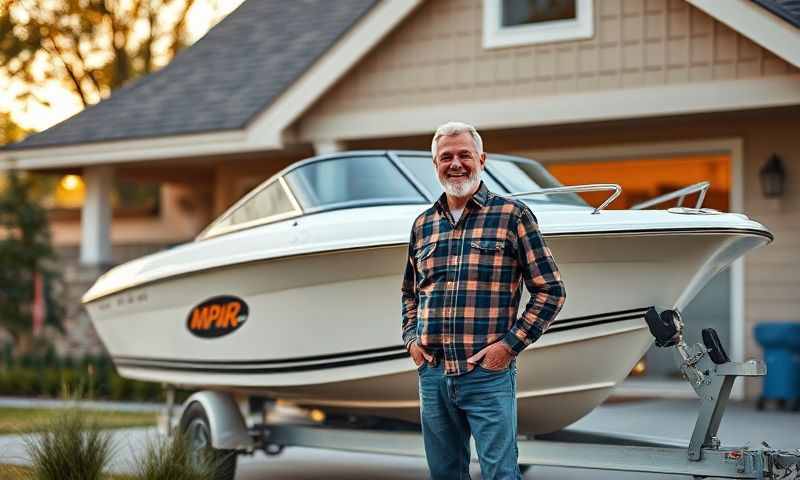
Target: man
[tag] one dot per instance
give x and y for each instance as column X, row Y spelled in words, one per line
column 461, row 293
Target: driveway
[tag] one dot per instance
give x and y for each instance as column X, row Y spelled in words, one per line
column 742, row 425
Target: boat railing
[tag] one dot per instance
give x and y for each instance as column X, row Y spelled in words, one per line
column 593, row 187
column 681, row 195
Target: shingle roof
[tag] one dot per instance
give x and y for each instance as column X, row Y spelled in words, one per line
column 235, row 71
column 788, row 10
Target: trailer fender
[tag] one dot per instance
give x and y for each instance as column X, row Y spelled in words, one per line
column 228, row 429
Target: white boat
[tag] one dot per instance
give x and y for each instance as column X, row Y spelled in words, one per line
column 294, row 292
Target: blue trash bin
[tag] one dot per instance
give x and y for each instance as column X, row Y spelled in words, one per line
column 781, row 344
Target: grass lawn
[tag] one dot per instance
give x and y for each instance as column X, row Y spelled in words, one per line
column 27, row 420
column 14, row 472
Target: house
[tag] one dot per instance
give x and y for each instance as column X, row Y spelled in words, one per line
column 652, row 94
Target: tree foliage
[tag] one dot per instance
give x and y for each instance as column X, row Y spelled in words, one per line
column 90, row 46
column 25, row 250
column 9, row 130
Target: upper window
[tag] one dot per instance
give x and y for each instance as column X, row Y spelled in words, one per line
column 508, row 23
column 350, row 181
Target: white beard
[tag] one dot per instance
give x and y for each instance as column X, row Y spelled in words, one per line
column 461, row 189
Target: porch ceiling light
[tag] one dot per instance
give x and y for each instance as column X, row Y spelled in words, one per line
column 772, row 176
column 71, row 182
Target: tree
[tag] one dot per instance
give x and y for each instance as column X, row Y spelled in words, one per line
column 9, row 130
column 25, row 253
column 90, row 46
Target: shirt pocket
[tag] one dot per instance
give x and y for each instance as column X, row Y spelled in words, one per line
column 425, row 252
column 488, row 246
column 489, row 258
column 425, row 260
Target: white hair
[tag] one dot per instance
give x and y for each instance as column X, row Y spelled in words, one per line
column 456, row 128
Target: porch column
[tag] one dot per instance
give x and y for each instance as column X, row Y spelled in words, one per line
column 96, row 216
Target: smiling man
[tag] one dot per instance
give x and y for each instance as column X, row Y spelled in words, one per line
column 460, row 297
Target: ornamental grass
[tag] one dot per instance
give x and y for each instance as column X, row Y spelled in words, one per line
column 70, row 448
column 171, row 459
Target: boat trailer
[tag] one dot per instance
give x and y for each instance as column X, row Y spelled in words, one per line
column 705, row 366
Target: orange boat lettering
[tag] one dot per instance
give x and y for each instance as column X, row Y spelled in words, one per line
column 217, row 318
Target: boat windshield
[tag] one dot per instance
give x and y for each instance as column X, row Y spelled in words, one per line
column 503, row 176
column 349, row 182
column 373, row 180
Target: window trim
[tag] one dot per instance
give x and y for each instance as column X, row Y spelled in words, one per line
column 497, row 36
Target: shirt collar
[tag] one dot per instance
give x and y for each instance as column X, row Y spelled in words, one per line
column 479, row 198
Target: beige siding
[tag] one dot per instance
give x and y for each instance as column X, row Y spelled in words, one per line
column 436, row 56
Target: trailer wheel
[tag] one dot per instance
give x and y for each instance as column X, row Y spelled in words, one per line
column 194, row 424
column 523, row 468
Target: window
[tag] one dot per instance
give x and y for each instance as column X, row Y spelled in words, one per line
column 508, row 23
column 270, row 201
column 351, row 181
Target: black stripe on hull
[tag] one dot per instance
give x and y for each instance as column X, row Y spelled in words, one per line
column 375, row 355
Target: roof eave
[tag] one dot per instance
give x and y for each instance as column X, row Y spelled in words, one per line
column 144, row 149
column 758, row 24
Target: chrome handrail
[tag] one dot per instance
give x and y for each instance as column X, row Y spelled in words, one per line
column 593, row 187
column 681, row 194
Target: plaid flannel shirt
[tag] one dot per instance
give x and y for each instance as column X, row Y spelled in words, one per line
column 461, row 288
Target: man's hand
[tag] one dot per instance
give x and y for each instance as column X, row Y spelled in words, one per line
column 419, row 354
column 494, row 357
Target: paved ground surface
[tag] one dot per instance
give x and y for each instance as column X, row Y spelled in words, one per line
column 742, row 425
column 674, row 419
column 22, row 402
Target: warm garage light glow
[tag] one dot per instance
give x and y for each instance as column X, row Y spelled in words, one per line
column 317, row 415
column 71, row 182
column 639, row 368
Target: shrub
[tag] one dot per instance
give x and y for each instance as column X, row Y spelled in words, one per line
column 71, row 448
column 171, row 459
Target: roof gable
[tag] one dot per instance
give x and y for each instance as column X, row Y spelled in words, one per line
column 222, row 81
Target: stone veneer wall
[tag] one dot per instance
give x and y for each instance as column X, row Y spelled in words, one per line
column 79, row 336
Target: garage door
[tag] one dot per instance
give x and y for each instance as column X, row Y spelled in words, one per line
column 641, row 180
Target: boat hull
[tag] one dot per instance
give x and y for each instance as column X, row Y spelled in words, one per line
column 324, row 329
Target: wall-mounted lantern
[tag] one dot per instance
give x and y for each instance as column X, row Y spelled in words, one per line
column 772, row 176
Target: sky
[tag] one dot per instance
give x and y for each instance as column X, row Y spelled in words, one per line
column 64, row 104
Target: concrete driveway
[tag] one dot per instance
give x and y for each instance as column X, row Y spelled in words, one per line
column 742, row 425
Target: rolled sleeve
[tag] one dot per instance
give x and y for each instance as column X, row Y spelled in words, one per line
column 543, row 281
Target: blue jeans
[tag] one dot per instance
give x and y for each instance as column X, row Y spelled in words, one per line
column 481, row 403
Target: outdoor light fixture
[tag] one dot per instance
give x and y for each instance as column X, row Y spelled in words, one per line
column 772, row 177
